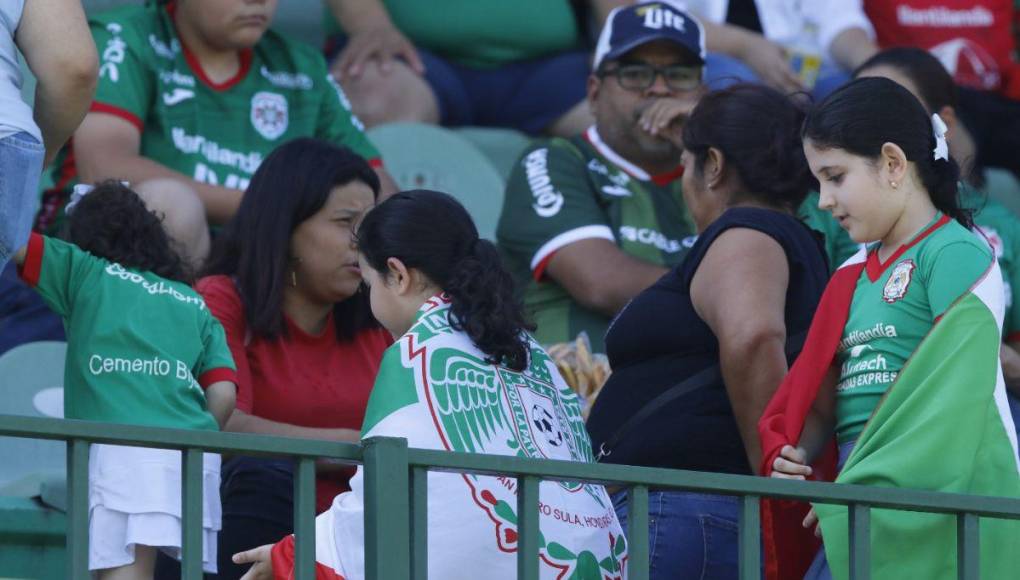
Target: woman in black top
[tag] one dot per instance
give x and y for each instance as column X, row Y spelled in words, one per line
column 752, row 281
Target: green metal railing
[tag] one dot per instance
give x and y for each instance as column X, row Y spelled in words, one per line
column 396, row 497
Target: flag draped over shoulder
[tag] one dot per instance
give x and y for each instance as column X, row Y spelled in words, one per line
column 435, row 389
column 944, row 425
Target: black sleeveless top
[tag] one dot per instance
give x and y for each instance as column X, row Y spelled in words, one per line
column 658, row 340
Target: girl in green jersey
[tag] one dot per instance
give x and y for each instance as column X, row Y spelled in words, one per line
column 142, row 349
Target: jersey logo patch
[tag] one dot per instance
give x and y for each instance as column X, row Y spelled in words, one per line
column 178, row 95
column 899, row 281
column 269, row 114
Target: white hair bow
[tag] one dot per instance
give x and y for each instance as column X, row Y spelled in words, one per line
column 80, row 190
column 941, row 146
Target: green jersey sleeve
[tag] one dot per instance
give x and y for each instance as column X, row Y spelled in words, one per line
column 57, row 270
column 338, row 124
column 126, row 85
column 952, row 272
column 216, row 363
column 549, row 204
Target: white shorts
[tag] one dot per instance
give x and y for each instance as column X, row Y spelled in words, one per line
column 135, row 498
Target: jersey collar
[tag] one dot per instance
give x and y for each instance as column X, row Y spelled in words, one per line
column 196, row 67
column 875, row 267
column 662, row 179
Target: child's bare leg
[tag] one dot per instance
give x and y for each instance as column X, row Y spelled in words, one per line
column 141, row 569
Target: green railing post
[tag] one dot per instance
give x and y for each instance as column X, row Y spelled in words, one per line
column 191, row 524
column 749, row 538
column 637, row 532
column 860, row 541
column 304, row 519
column 387, row 509
column 420, row 523
column 968, row 548
column 527, row 527
column 77, row 562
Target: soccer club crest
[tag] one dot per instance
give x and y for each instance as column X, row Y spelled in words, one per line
column 899, row 281
column 269, row 114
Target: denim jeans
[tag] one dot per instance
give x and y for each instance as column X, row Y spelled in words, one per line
column 690, row 535
column 722, row 71
column 21, row 159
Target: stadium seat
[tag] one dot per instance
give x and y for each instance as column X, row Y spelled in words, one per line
column 430, row 157
column 503, row 147
column 33, row 379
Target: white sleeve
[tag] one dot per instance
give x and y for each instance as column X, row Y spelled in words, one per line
column 832, row 17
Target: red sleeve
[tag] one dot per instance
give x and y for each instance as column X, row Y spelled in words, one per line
column 216, row 375
column 30, row 269
column 224, row 303
column 282, row 557
column 125, row 114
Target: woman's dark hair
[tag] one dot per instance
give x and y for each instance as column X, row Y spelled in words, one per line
column 925, row 71
column 866, row 113
column 113, row 223
column 433, row 233
column 758, row 131
column 291, row 185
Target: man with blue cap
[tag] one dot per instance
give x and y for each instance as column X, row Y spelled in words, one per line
column 591, row 221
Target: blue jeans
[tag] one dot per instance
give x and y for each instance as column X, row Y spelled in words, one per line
column 21, row 159
column 722, row 71
column 690, row 535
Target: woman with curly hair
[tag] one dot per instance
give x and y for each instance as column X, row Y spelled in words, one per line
column 142, row 349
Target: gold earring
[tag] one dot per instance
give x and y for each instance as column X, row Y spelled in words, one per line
column 894, row 184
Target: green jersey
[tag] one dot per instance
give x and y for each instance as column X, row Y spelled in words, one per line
column 215, row 133
column 140, row 348
column 1000, row 228
column 484, row 34
column 563, row 191
column 838, row 245
column 894, row 306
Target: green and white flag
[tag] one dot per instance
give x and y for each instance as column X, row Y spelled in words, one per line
column 435, row 389
column 944, row 425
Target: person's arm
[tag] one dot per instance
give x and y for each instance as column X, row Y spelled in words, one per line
column 765, row 57
column 219, row 399
column 107, row 146
column 739, row 290
column 59, row 50
column 600, row 276
column 371, row 36
column 1010, row 354
column 852, row 47
column 242, row 422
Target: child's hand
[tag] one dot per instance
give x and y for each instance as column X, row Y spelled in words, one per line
column 791, row 464
column 261, row 557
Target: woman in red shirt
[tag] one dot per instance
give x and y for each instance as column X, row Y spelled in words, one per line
column 283, row 280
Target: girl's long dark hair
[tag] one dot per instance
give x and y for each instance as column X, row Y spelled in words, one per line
column 433, row 233
column 867, row 113
column 291, row 185
column 113, row 223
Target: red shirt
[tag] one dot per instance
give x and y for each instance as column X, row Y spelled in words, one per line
column 973, row 38
column 303, row 379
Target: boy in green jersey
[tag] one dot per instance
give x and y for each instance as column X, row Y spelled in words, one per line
column 142, row 349
column 197, row 91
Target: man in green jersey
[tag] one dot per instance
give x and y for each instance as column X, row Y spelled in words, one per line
column 197, row 91
column 591, row 221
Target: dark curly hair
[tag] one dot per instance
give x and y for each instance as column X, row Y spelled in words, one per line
column 758, row 131
column 112, row 222
column 433, row 233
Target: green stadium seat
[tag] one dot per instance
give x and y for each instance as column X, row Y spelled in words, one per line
column 429, row 157
column 33, row 379
column 503, row 147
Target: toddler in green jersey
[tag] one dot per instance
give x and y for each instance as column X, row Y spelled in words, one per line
column 142, row 349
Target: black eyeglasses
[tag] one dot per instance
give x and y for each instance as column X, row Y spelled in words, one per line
column 639, row 77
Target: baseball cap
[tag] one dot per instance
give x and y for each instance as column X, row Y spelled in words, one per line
column 628, row 27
